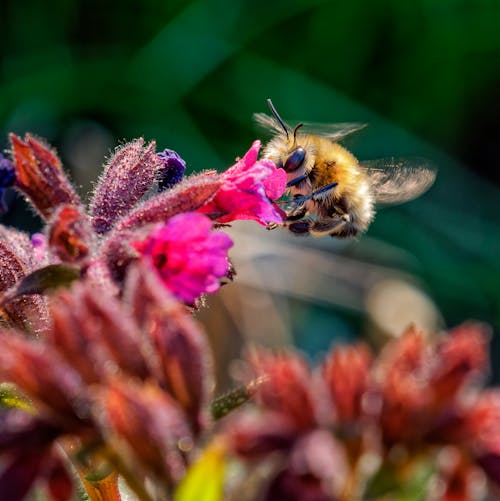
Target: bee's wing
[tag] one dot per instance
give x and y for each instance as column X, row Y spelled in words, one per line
column 397, row 180
column 334, row 132
column 269, row 123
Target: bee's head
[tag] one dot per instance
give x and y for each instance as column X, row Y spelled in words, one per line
column 296, row 154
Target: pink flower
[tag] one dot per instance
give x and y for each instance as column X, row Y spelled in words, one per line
column 248, row 191
column 189, row 257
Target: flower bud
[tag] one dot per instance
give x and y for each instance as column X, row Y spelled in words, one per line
column 16, row 261
column 127, row 177
column 146, row 425
column 70, row 235
column 7, row 180
column 173, row 167
column 39, row 371
column 346, row 373
column 40, row 177
column 96, row 334
column 186, row 196
column 286, row 387
column 461, row 357
column 179, row 344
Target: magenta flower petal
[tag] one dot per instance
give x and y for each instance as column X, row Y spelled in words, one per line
column 248, row 191
column 274, row 183
column 188, row 255
column 251, row 155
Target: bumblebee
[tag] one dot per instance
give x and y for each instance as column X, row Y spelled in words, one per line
column 330, row 192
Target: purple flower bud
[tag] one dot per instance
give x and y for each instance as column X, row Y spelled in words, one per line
column 40, row 248
column 7, row 179
column 38, row 240
column 173, row 169
column 7, row 172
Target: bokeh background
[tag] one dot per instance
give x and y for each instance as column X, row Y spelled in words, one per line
column 424, row 74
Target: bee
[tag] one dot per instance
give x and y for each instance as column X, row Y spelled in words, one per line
column 329, row 191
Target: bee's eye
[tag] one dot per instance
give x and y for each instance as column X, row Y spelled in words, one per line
column 295, row 160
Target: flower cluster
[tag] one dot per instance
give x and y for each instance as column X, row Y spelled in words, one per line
column 122, row 224
column 366, row 427
column 124, row 378
column 114, row 372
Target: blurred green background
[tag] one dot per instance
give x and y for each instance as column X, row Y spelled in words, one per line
column 425, row 74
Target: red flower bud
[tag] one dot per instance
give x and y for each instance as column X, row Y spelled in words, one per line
column 461, row 357
column 40, row 177
column 403, row 388
column 70, row 235
column 287, row 386
column 39, row 371
column 346, row 373
column 179, row 344
column 147, row 425
column 254, row 435
column 96, row 334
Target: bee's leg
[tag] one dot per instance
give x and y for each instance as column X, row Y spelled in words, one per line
column 297, row 213
column 296, row 180
column 315, row 194
column 318, row 227
column 347, row 231
column 291, row 215
column 323, row 190
column 327, row 226
column 301, row 227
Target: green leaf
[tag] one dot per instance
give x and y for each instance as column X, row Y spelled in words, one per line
column 204, row 480
column 408, row 483
column 44, row 279
column 11, row 398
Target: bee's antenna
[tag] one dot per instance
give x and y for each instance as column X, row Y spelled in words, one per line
column 276, row 115
column 296, row 128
